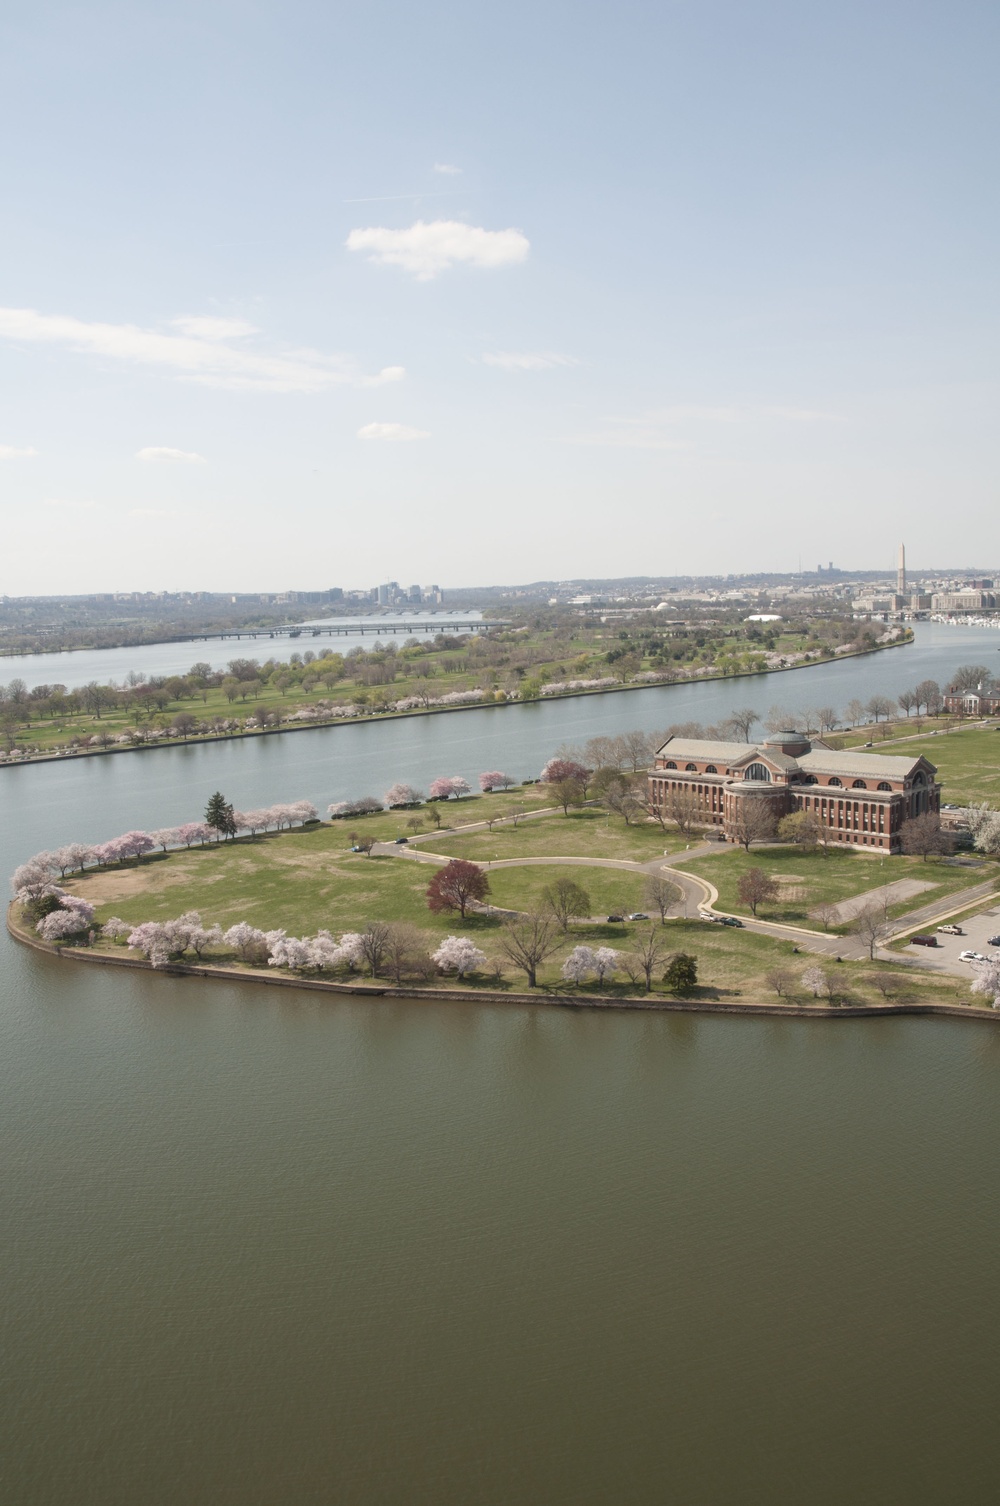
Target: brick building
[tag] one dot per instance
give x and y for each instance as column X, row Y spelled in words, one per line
column 973, row 703
column 862, row 799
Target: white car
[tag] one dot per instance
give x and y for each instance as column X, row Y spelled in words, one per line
column 971, row 957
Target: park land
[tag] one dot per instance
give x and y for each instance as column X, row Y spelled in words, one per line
column 312, row 878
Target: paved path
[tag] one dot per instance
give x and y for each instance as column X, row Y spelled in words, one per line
column 698, row 897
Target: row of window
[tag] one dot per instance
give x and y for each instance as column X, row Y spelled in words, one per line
column 757, row 773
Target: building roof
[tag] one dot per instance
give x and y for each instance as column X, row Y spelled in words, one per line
column 820, row 760
column 874, row 765
column 703, row 747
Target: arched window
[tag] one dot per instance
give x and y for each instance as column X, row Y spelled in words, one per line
column 859, row 784
column 918, row 778
column 835, row 781
column 811, row 779
column 710, row 768
column 884, row 786
column 758, row 772
column 690, row 768
column 671, row 764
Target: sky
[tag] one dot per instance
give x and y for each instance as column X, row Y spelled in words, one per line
column 299, row 295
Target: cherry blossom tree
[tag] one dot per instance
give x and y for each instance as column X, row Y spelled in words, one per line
column 247, row 942
column 495, row 779
column 987, row 980
column 605, row 962
column 558, row 769
column 815, row 980
column 165, row 837
column 448, row 786
column 402, row 794
column 579, row 964
column 291, row 951
column 33, row 878
column 194, row 831
column 115, row 929
column 63, row 925
column 460, row 955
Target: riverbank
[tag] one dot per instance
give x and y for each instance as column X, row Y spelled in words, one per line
column 361, row 989
column 17, row 760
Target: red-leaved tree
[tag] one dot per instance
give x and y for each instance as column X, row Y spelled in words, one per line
column 454, row 885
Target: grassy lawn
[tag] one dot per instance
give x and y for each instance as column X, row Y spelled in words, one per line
column 585, row 833
column 810, row 879
column 303, row 880
column 612, row 891
column 385, row 826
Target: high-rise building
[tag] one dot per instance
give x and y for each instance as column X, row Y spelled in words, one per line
column 901, row 572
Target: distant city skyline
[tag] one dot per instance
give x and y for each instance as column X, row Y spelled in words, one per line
column 374, row 293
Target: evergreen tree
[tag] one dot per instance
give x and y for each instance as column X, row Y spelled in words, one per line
column 681, row 973
column 219, row 815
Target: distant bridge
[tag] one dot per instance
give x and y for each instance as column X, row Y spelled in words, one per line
column 386, row 627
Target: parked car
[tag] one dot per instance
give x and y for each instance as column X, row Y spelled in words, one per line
column 994, row 941
column 923, row 941
column 732, row 920
column 971, row 957
column 401, row 840
column 638, row 915
column 951, row 930
column 616, row 917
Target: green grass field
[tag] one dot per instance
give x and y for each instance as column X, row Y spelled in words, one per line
column 304, row 880
column 967, row 758
column 810, row 879
column 585, row 833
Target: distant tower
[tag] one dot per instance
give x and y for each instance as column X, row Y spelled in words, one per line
column 901, row 572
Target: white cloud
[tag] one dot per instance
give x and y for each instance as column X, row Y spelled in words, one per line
column 153, row 512
column 11, row 452
column 426, row 249
column 395, row 432
column 192, row 357
column 527, row 360
column 68, row 502
column 164, row 452
column 447, row 168
column 209, row 327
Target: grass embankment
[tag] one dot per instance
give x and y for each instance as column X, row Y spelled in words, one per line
column 808, row 880
column 306, row 879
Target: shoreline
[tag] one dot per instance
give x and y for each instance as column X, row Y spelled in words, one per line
column 397, row 716
column 375, row 990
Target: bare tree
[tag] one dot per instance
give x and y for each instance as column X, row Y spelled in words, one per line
column 878, row 707
column 743, row 720
column 855, row 712
column 780, row 979
column 566, row 900
column 871, row 925
column 568, row 792
column 906, row 701
column 527, row 940
column 516, row 814
column 923, row 835
column 677, row 806
column 404, row 953
column 661, row 894
column 638, row 750
column 928, row 694
column 649, row 953
column 827, row 718
column 756, row 887
column 754, row 821
column 827, row 913
column 374, row 941
column 887, row 984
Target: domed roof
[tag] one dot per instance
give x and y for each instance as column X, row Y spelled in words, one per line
column 786, row 735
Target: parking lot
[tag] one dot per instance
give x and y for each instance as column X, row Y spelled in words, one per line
column 943, row 958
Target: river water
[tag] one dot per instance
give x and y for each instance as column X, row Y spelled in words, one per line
column 268, row 1248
